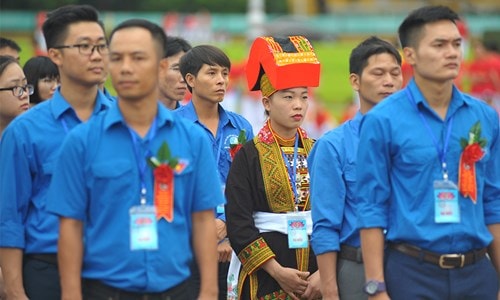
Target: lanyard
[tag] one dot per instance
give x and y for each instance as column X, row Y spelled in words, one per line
column 219, row 149
column 292, row 171
column 64, row 125
column 441, row 151
column 141, row 159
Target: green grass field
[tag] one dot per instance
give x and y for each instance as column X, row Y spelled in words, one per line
column 334, row 91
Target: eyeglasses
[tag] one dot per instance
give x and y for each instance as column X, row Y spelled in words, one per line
column 86, row 49
column 18, row 91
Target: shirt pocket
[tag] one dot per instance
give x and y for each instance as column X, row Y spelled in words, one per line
column 114, row 181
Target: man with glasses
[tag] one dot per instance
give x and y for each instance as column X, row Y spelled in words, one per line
column 30, row 145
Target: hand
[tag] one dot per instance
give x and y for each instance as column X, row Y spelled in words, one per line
column 292, row 281
column 224, row 250
column 221, row 229
column 313, row 290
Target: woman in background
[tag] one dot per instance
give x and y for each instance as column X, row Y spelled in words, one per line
column 43, row 74
column 14, row 91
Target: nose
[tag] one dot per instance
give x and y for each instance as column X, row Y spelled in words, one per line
column 388, row 80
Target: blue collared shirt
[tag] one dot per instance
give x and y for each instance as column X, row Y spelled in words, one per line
column 29, row 148
column 398, row 163
column 230, row 125
column 100, row 170
column 332, row 167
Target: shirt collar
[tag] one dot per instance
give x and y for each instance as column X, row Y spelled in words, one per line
column 59, row 105
column 114, row 116
column 224, row 117
column 457, row 97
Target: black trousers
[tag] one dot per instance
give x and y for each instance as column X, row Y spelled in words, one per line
column 95, row 290
column 41, row 277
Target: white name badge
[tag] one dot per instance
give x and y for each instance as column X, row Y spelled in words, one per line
column 446, row 206
column 143, row 228
column 297, row 231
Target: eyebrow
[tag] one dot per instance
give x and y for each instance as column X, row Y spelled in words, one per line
column 87, row 39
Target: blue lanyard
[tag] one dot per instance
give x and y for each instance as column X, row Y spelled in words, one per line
column 292, row 172
column 219, row 149
column 64, row 125
column 441, row 151
column 141, row 159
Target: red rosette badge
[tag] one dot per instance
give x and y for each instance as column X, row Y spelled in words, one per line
column 472, row 152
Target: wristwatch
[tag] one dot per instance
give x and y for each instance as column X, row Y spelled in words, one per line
column 373, row 287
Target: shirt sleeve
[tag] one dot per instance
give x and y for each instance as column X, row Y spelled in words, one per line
column 15, row 187
column 328, row 193
column 373, row 186
column 491, row 192
column 67, row 193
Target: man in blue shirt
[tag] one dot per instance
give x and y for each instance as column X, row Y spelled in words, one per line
column 375, row 72
column 206, row 69
column 133, row 194
column 30, row 147
column 171, row 84
column 429, row 174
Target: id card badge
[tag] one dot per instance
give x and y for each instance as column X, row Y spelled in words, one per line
column 143, row 228
column 446, row 206
column 297, row 231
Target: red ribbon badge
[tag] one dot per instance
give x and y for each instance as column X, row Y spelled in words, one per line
column 467, row 171
column 164, row 192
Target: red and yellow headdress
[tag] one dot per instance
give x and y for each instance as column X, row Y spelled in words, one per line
column 281, row 63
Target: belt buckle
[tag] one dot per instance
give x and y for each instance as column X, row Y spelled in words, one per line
column 442, row 258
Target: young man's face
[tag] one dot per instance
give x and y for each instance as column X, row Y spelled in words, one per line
column 171, row 83
column 210, row 84
column 380, row 78
column 78, row 67
column 133, row 64
column 438, row 53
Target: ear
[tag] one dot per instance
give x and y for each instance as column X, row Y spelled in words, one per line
column 409, row 55
column 163, row 66
column 55, row 55
column 355, row 81
column 266, row 102
column 190, row 79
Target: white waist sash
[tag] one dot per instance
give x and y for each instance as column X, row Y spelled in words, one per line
column 265, row 222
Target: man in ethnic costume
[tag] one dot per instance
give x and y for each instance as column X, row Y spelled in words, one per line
column 268, row 208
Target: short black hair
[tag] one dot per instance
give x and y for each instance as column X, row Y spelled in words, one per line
column 5, row 42
column 5, row 61
column 410, row 29
column 176, row 44
column 201, row 55
column 55, row 28
column 157, row 33
column 371, row 46
column 37, row 68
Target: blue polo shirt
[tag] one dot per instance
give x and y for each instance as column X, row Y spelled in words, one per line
column 28, row 150
column 398, row 162
column 98, row 180
column 332, row 168
column 230, row 125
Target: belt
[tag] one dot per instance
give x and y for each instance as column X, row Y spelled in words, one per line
column 107, row 292
column 351, row 253
column 48, row 258
column 444, row 261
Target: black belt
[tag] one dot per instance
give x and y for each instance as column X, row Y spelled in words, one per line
column 111, row 293
column 444, row 261
column 351, row 253
column 48, row 258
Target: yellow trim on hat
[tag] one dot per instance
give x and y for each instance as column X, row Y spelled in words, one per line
column 266, row 87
